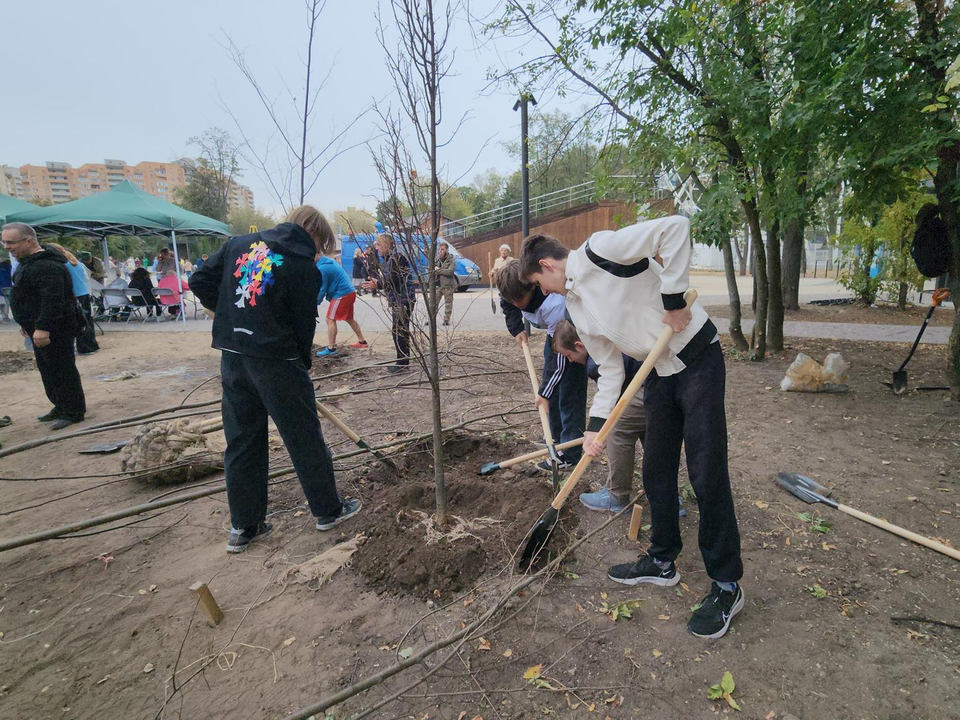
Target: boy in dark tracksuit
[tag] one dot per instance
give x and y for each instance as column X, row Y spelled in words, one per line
column 564, row 385
column 621, row 288
column 264, row 288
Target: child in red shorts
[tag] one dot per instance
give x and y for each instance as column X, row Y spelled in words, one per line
column 337, row 287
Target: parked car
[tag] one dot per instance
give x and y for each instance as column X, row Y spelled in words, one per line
column 468, row 273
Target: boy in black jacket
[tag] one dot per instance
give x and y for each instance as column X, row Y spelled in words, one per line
column 264, row 288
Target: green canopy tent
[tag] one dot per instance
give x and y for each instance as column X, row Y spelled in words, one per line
column 124, row 210
column 10, row 205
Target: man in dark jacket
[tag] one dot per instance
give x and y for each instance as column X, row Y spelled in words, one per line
column 44, row 306
column 263, row 288
column 395, row 278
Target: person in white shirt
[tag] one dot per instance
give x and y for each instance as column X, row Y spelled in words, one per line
column 621, row 287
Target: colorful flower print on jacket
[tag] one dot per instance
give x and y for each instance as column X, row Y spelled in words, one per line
column 255, row 272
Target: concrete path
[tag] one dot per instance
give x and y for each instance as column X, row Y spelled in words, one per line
column 472, row 313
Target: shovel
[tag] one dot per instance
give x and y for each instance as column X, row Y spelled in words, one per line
column 357, row 440
column 811, row 491
column 540, row 532
column 544, row 419
column 491, row 467
column 493, row 305
column 900, row 376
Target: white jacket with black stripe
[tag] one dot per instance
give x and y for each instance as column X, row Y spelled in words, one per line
column 616, row 296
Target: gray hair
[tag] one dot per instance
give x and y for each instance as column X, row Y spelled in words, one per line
column 505, row 247
column 22, row 229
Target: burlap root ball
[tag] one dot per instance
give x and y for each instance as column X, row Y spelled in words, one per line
column 178, row 446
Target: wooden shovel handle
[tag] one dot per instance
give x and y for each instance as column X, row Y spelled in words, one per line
column 325, row 411
column 544, row 417
column 662, row 341
column 902, row 532
column 538, row 454
column 490, row 273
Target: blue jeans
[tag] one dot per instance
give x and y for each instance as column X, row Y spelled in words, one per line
column 568, row 403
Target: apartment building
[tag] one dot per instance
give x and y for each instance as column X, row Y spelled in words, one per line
column 59, row 182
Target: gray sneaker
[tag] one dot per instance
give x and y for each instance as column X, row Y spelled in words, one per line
column 349, row 509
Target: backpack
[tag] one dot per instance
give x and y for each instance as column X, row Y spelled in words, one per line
column 930, row 248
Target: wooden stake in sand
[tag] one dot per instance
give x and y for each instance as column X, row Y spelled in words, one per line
column 635, row 518
column 207, row 603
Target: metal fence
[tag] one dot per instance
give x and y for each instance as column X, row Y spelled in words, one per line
column 618, row 187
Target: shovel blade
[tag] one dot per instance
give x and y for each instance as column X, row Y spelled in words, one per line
column 103, row 448
column 489, row 469
column 807, row 489
column 538, row 536
column 899, row 382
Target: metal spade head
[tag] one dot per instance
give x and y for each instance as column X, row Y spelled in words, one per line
column 538, row 537
column 899, row 384
column 489, row 469
column 103, row 448
column 805, row 488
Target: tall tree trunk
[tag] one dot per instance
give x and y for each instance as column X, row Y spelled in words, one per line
column 902, row 296
column 736, row 331
column 792, row 262
column 774, row 279
column 761, row 288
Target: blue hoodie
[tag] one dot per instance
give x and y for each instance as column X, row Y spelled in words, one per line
column 336, row 282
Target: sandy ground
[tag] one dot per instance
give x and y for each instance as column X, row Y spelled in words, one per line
column 102, row 625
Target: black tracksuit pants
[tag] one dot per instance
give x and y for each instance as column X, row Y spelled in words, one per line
column 61, row 379
column 402, row 315
column 254, row 388
column 688, row 409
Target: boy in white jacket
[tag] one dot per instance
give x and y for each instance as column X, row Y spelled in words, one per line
column 621, row 287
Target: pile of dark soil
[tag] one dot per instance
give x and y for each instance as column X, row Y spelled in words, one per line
column 403, row 553
column 15, row 361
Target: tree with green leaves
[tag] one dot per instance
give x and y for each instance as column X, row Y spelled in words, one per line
column 757, row 84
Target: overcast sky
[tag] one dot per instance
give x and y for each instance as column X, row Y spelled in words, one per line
column 86, row 80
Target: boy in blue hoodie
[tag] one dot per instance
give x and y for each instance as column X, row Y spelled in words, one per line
column 337, row 287
column 563, row 388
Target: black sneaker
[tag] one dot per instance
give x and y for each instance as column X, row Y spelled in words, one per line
column 547, row 466
column 394, row 369
column 349, row 509
column 240, row 539
column 644, row 570
column 712, row 617
column 61, row 422
column 50, row 416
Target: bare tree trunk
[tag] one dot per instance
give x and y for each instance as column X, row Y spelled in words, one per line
column 733, row 292
column 774, row 278
column 740, row 247
column 433, row 90
column 793, row 256
column 761, row 288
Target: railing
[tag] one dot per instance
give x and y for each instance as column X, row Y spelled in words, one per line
column 624, row 187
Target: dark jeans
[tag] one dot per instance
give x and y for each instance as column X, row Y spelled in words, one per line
column 402, row 312
column 568, row 402
column 87, row 342
column 61, row 379
column 688, row 408
column 254, row 388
